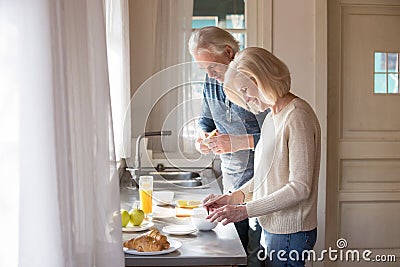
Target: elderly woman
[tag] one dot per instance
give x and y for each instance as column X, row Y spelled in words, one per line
column 283, row 191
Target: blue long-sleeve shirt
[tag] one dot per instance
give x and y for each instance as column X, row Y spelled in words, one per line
column 219, row 113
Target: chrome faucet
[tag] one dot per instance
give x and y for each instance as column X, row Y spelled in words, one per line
column 136, row 170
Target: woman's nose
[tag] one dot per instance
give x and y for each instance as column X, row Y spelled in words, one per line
column 211, row 73
column 245, row 96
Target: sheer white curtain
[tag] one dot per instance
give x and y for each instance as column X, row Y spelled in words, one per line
column 9, row 135
column 61, row 150
column 173, row 27
column 117, row 26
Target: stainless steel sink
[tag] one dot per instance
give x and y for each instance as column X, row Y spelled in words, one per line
column 171, row 178
column 178, row 178
column 175, row 175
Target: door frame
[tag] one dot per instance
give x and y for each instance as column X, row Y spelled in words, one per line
column 321, row 109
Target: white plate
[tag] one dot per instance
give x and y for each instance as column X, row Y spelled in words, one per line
column 174, row 245
column 144, row 226
column 179, row 229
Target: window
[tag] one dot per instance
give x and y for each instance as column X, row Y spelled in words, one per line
column 118, row 71
column 386, row 73
column 204, row 21
column 228, row 15
column 239, row 17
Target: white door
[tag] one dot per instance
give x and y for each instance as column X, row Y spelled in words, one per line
column 363, row 180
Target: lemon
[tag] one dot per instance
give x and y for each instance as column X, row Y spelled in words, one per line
column 136, row 217
column 182, row 202
column 188, row 203
column 125, row 217
column 193, row 202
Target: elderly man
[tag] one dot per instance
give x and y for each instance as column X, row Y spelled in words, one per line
column 238, row 130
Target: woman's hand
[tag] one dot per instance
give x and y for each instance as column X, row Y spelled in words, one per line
column 228, row 213
column 212, row 201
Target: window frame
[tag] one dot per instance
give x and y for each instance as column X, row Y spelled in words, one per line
column 386, row 73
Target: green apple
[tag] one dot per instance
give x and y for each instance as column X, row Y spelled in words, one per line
column 137, row 216
column 125, row 217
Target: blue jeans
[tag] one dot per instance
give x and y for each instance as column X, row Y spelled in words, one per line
column 285, row 250
column 249, row 231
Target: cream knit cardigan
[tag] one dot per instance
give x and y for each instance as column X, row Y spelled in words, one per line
column 284, row 190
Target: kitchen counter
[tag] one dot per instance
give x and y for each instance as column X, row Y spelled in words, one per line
column 220, row 246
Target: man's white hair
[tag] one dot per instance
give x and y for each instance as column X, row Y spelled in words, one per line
column 212, row 39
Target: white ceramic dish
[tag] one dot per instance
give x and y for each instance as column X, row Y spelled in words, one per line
column 201, row 223
column 200, row 210
column 179, row 229
column 144, row 226
column 174, row 245
column 163, row 212
column 163, row 197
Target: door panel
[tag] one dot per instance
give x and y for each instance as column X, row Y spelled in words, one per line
column 361, row 175
column 377, row 218
column 365, row 30
column 363, row 179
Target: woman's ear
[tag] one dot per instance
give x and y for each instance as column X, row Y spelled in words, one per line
column 229, row 52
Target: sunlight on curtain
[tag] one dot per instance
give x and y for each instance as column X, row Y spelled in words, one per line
column 61, row 148
column 172, row 31
column 9, row 134
column 117, row 25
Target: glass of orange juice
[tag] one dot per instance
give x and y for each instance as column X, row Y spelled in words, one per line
column 145, row 195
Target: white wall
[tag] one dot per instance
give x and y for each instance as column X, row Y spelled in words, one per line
column 299, row 37
column 293, row 41
column 141, row 16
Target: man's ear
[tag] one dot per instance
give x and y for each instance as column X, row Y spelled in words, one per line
column 229, row 52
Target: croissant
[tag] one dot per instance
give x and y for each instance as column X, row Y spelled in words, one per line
column 144, row 244
column 148, row 242
column 160, row 238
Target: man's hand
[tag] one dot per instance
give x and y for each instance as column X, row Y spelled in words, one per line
column 202, row 142
column 201, row 146
column 228, row 213
column 226, row 143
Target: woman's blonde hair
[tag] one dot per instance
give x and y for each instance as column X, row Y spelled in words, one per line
column 212, row 39
column 271, row 75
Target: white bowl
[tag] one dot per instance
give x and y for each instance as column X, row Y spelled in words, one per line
column 163, row 197
column 201, row 223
